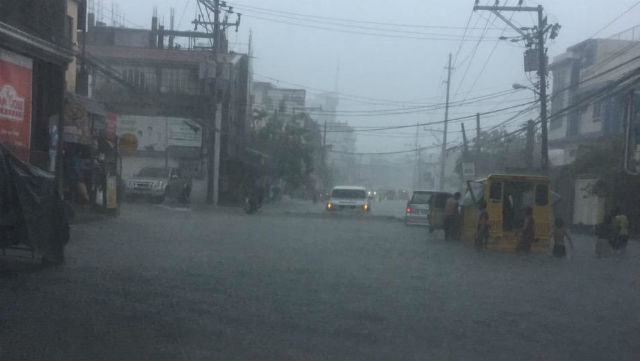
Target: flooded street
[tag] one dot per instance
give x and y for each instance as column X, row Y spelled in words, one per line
column 165, row 283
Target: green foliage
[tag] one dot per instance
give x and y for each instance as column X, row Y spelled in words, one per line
column 602, row 159
column 291, row 141
column 499, row 152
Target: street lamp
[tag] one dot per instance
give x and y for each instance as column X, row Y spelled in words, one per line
column 518, row 86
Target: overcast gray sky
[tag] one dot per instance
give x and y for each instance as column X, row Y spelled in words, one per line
column 396, row 68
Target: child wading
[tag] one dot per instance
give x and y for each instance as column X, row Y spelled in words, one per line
column 527, row 234
column 559, row 234
column 482, row 228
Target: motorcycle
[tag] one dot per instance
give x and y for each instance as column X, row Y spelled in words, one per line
column 252, row 204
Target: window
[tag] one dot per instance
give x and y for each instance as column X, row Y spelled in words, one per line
column 495, row 192
column 420, row 198
column 542, row 195
column 597, row 110
column 349, row 194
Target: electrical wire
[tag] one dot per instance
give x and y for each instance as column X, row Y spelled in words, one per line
column 355, row 97
column 486, row 63
column 343, row 25
column 345, row 31
column 615, row 19
column 473, row 54
column 346, row 20
column 440, row 121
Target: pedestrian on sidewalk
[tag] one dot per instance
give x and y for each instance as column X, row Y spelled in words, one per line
column 482, row 227
column 451, row 212
column 559, row 235
column 621, row 231
column 528, row 232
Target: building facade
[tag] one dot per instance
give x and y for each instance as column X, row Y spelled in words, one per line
column 35, row 50
column 584, row 107
column 163, row 96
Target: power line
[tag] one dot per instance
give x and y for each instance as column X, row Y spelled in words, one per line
column 350, row 21
column 354, row 96
column 473, row 54
column 270, row 14
column 466, row 28
column 615, row 19
column 387, row 153
column 440, row 121
column 486, row 63
column 413, row 110
column 345, row 31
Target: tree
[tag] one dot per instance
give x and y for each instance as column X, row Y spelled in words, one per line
column 293, row 143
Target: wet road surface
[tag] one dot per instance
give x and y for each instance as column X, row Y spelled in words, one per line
column 164, row 283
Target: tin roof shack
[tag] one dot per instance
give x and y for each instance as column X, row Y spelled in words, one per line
column 35, row 49
column 165, row 92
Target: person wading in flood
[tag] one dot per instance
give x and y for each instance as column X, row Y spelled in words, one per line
column 527, row 235
column 559, row 234
column 620, row 231
column 482, row 228
column 451, row 217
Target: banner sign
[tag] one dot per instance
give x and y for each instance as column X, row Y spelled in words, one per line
column 16, row 74
column 157, row 133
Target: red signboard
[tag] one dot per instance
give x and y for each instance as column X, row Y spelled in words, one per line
column 15, row 103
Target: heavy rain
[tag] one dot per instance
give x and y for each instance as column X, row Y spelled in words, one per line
column 288, row 180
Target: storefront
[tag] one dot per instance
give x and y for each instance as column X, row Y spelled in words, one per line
column 33, row 60
column 91, row 162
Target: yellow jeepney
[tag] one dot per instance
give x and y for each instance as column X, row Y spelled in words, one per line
column 506, row 197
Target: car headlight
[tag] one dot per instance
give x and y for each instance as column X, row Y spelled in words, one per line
column 130, row 184
column 160, row 185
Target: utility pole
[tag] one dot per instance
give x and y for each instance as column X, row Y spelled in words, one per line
column 211, row 146
column 536, row 35
column 529, row 149
column 443, row 155
column 465, row 145
column 477, row 134
column 325, row 168
column 416, row 166
column 542, row 74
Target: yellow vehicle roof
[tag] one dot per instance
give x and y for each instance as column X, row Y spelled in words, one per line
column 518, row 177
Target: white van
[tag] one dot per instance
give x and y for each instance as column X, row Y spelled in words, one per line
column 349, row 198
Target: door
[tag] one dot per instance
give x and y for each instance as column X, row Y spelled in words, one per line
column 494, row 206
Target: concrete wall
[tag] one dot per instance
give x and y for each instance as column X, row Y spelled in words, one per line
column 561, row 98
column 588, row 209
column 609, row 54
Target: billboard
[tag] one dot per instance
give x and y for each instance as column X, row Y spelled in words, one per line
column 16, row 74
column 155, row 134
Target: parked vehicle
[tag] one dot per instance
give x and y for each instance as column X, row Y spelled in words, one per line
column 32, row 212
column 159, row 183
column 437, row 203
column 417, row 210
column 252, row 204
column 507, row 196
column 349, row 198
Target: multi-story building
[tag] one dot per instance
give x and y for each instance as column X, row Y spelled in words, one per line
column 339, row 138
column 588, row 105
column 584, row 107
column 163, row 97
column 267, row 99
